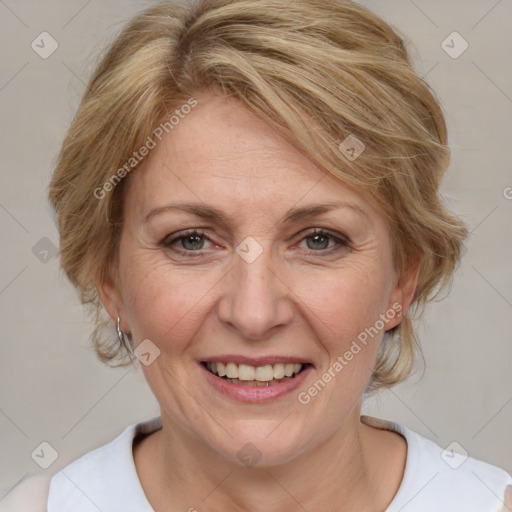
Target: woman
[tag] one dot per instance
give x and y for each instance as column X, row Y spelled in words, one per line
column 249, row 189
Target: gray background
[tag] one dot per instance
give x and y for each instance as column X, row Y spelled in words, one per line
column 53, row 388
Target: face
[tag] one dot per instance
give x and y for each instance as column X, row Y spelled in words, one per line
column 229, row 255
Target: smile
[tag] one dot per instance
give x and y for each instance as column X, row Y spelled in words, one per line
column 247, row 375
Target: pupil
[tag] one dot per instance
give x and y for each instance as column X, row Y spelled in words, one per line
column 197, row 239
column 321, row 237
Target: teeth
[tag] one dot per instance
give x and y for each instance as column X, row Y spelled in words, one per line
column 245, row 372
column 221, row 369
column 257, row 383
column 232, row 371
column 278, row 371
column 264, row 373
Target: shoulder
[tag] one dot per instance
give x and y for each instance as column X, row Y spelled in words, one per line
column 104, row 478
column 437, row 478
column 29, row 495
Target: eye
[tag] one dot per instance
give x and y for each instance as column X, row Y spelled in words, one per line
column 190, row 241
column 319, row 240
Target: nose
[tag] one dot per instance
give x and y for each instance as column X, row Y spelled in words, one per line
column 256, row 300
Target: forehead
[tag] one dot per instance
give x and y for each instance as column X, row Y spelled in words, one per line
column 223, row 155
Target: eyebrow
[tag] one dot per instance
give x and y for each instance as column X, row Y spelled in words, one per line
column 293, row 215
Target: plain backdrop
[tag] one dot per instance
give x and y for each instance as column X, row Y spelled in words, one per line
column 54, row 390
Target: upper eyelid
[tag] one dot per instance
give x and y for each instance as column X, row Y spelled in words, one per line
column 176, row 237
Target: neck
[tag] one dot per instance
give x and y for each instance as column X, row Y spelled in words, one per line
column 349, row 468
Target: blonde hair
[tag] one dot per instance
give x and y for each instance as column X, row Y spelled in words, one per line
column 318, row 72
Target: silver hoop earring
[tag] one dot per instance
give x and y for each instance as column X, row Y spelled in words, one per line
column 123, row 338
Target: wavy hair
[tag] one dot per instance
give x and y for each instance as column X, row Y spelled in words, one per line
column 319, row 72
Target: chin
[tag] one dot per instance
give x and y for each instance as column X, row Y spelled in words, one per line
column 260, row 444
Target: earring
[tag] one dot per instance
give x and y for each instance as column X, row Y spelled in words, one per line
column 122, row 338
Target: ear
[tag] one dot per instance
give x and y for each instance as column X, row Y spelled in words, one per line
column 110, row 297
column 403, row 294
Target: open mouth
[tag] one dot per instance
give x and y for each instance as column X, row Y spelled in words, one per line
column 247, row 375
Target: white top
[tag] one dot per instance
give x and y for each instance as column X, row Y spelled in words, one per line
column 435, row 480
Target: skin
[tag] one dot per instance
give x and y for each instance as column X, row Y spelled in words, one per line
column 298, row 298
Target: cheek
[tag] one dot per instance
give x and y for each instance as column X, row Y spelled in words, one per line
column 346, row 302
column 345, row 310
column 164, row 302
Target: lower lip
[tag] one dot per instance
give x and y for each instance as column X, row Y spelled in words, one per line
column 255, row 394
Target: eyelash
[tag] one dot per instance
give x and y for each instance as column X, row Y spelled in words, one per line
column 340, row 242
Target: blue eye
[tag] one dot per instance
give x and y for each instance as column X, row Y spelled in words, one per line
column 320, row 241
column 193, row 241
column 190, row 241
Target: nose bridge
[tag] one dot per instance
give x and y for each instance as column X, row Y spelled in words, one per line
column 252, row 271
column 254, row 301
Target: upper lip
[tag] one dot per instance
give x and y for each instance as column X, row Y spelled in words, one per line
column 255, row 361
